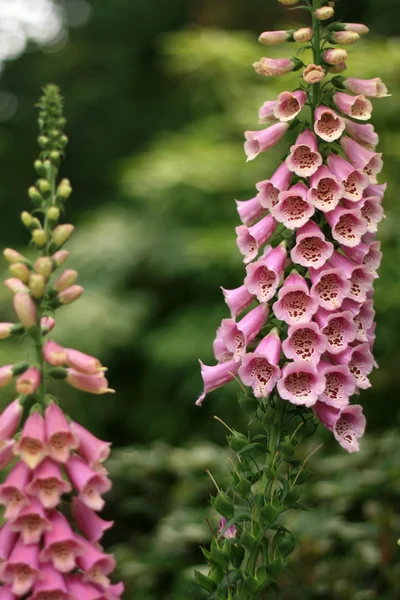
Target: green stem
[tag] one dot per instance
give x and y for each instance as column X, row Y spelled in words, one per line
column 316, row 47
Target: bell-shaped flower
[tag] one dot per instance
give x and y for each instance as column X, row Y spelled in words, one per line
column 330, row 287
column 362, row 133
column 91, row 448
column 60, row 438
column 338, row 328
column 226, row 532
column 9, row 420
column 273, row 67
column 48, row 484
column 269, row 189
column 304, row 158
column 266, row 112
column 340, row 384
column 304, row 342
column 263, row 276
column 31, row 446
column 357, row 107
column 360, row 361
column 251, row 239
column 325, row 190
column 301, row 383
column 360, row 277
column 250, row 210
column 293, row 208
column 311, row 249
column 259, row 369
column 22, row 568
column 374, row 88
column 260, row 141
column 61, row 545
column 237, row 299
column 362, row 159
column 295, row 304
column 54, row 354
column 376, row 190
column 335, row 56
column 216, row 376
column 51, row 585
column 13, row 493
column 373, row 257
column 328, row 125
column 31, row 522
column 348, row 225
column 28, row 382
column 353, row 181
column 289, row 105
column 95, row 564
column 364, row 321
column 347, row 423
column 8, row 539
column 90, row 524
column 84, row 362
column 79, row 588
column 94, row 384
column 89, row 483
column 236, row 336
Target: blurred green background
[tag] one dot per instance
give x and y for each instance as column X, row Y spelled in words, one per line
column 158, row 95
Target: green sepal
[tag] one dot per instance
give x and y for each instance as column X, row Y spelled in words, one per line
column 237, row 441
column 269, row 513
column 243, row 487
column 17, row 328
column 206, row 583
column 219, row 557
column 20, row 367
column 287, row 545
column 276, row 566
column 223, row 505
column 248, row 540
column 338, row 82
column 58, row 373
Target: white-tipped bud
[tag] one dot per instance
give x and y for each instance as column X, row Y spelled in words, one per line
column 20, row 271
column 324, row 13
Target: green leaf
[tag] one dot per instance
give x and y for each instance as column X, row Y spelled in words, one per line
column 208, row 584
column 223, row 505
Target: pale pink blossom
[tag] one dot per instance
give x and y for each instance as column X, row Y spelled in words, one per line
column 89, row 483
column 226, row 532
column 272, row 38
column 340, row 384
column 266, row 113
column 364, row 321
column 263, row 276
column 345, row 37
column 304, row 342
column 95, row 564
column 60, row 438
column 273, row 67
column 353, row 181
column 28, row 382
column 250, row 239
column 250, row 210
column 31, row 446
column 8, row 540
column 31, row 522
column 15, row 285
column 348, row 226
column 362, row 133
column 237, row 299
column 330, row 287
column 311, row 249
column 9, row 420
column 91, row 448
column 48, row 483
column 90, row 524
column 260, row 369
column 61, row 545
column 289, row 105
column 83, row 362
column 25, row 309
column 54, row 354
column 70, row 294
column 347, row 424
column 366, row 161
column 360, row 361
column 304, row 34
column 357, row 27
column 94, row 384
column 360, row 277
column 269, row 189
column 335, row 56
column 233, row 338
column 325, row 190
column 304, row 158
column 357, row 107
column 301, row 383
column 259, row 141
column 22, row 568
column 338, row 328
column 374, row 88
column 313, row 74
column 295, row 304
column 51, row 586
column 293, row 208
column 216, row 376
column 328, row 125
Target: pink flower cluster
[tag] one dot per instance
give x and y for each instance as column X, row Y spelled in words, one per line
column 42, row 557
column 318, row 283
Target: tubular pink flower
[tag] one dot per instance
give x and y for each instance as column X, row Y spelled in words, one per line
column 273, row 67
column 328, row 125
column 311, row 249
column 70, row 294
column 31, row 447
column 94, row 384
column 295, row 304
column 31, row 522
column 226, row 532
column 249, row 210
column 51, row 586
column 48, row 484
column 8, row 539
column 65, row 280
column 293, row 208
column 6, row 453
column 28, row 382
column 289, row 105
column 304, row 342
column 237, row 299
column 87, row 482
column 54, row 354
column 347, row 424
column 364, row 321
column 348, row 226
column 60, row 438
column 374, row 88
column 263, row 276
column 83, row 362
column 368, row 162
column 360, row 277
column 335, row 56
column 259, row 369
column 340, row 384
column 345, row 37
column 325, row 190
column 9, row 420
column 357, row 107
column 373, row 257
column 354, row 182
column 25, row 309
column 269, row 189
column 95, row 565
column 236, row 336
column 61, row 545
column 362, row 133
column 259, row 141
column 330, row 287
column 372, row 211
column 301, row 383
column 81, row 589
column 313, row 74
column 91, row 448
column 304, row 158
column 266, row 112
column 90, row 524
column 360, row 362
column 250, row 239
column 272, row 38
column 21, row 569
column 216, row 376
column 338, row 328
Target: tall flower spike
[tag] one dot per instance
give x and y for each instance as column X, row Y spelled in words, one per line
column 55, row 460
column 310, row 254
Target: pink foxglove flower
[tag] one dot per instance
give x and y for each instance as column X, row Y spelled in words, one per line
column 363, row 133
column 270, row 188
column 289, row 105
column 260, row 141
column 338, row 328
column 293, row 208
column 295, row 303
column 271, row 38
column 311, row 249
column 88, row 521
column 259, row 369
column 216, row 376
column 251, row 239
column 54, row 354
column 357, row 27
column 236, row 336
column 95, row 565
column 374, row 88
column 25, row 309
column 51, row 584
column 348, row 226
column 28, row 382
column 60, row 438
column 61, row 544
column 226, row 532
column 357, row 107
column 237, row 300
column 250, row 210
column 305, row 342
column 9, row 420
column 313, row 74
column 340, row 384
column 263, row 276
column 347, row 424
column 330, row 287
column 360, row 362
column 335, row 56
column 325, row 190
column 13, row 491
column 368, row 162
column 89, row 446
column 328, row 125
column 48, row 483
column 31, row 522
column 22, row 568
column 89, row 483
column 353, row 181
column 273, row 67
column 301, row 383
column 32, row 445
column 304, row 158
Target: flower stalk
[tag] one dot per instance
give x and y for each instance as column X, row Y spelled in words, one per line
column 305, row 345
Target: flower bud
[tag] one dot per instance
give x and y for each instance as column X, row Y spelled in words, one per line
column 64, row 189
column 44, row 266
column 40, row 168
column 25, row 309
column 44, row 186
column 339, row 68
column 272, row 38
column 70, row 294
column 334, row 56
column 60, row 257
column 305, row 34
column 12, row 256
column 288, row 2
column 35, row 196
column 61, row 234
column 324, row 13
column 357, row 27
column 37, row 285
column 313, row 73
column 47, row 324
column 40, row 237
column 273, row 67
column 28, row 382
column 6, row 375
column 53, row 214
column 55, row 156
column 43, row 141
column 94, row 384
column 29, row 221
column 6, row 329
column 65, row 280
column 20, row 271
column 345, row 37
column 54, row 354
column 15, row 285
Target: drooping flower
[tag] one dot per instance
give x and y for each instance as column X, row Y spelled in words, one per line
column 357, row 107
column 260, row 141
column 301, row 383
column 327, row 124
column 259, row 369
column 304, row 158
column 374, row 88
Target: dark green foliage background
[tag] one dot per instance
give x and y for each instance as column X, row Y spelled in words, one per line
column 157, row 97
